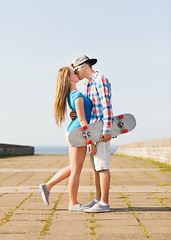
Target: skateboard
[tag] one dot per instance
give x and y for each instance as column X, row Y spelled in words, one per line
column 91, row 133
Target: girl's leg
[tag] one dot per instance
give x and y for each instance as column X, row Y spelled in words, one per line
column 59, row 176
column 77, row 156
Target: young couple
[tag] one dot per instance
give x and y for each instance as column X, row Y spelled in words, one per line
column 94, row 106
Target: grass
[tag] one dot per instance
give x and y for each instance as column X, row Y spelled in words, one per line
column 8, row 215
column 163, row 166
column 135, row 215
column 92, row 220
column 48, row 221
column 160, row 200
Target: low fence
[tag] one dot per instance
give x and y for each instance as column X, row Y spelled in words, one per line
column 158, row 149
column 17, row 150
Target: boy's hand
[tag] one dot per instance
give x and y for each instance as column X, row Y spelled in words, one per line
column 92, row 149
column 105, row 137
column 72, row 115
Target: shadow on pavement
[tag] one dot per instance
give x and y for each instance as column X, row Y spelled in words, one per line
column 141, row 209
column 136, row 209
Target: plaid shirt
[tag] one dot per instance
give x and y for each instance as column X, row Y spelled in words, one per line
column 98, row 89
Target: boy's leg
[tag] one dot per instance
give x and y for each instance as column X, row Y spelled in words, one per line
column 103, row 205
column 97, row 184
column 100, row 164
column 104, row 184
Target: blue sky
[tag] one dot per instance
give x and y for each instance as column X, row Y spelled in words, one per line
column 131, row 40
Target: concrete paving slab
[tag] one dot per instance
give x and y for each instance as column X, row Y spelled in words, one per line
column 12, row 170
column 158, row 226
column 19, row 236
column 160, row 236
column 82, row 189
column 121, row 236
column 140, row 204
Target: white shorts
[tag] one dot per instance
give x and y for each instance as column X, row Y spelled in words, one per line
column 101, row 160
column 66, row 136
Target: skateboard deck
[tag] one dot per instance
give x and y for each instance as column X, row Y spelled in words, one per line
column 81, row 137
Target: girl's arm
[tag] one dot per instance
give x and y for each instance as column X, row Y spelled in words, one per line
column 79, row 104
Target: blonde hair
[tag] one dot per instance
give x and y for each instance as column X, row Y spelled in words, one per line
column 61, row 92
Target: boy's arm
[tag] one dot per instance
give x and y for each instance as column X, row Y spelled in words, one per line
column 104, row 89
column 72, row 115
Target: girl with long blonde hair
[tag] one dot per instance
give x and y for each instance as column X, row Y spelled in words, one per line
column 61, row 93
column 66, row 91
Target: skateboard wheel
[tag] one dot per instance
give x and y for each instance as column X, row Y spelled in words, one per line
column 125, row 130
column 84, row 127
column 121, row 116
column 89, row 142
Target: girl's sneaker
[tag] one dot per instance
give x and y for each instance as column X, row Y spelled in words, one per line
column 45, row 193
column 78, row 207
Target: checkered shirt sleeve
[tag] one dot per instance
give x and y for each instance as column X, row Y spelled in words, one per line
column 98, row 89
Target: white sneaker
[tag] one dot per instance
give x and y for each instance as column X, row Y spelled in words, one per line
column 98, row 208
column 91, row 204
column 78, row 207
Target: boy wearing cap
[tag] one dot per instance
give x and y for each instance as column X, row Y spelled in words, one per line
column 98, row 89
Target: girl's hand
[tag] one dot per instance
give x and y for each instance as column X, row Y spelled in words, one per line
column 92, row 149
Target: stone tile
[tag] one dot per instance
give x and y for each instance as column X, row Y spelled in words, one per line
column 157, row 226
column 160, row 236
column 27, row 221
column 120, row 236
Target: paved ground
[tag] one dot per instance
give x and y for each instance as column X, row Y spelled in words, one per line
column 140, row 199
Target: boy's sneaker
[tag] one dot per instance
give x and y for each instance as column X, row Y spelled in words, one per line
column 98, row 208
column 78, row 207
column 45, row 193
column 91, row 204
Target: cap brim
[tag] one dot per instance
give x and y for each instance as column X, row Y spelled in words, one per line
column 92, row 61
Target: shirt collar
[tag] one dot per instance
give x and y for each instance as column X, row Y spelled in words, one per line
column 93, row 76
